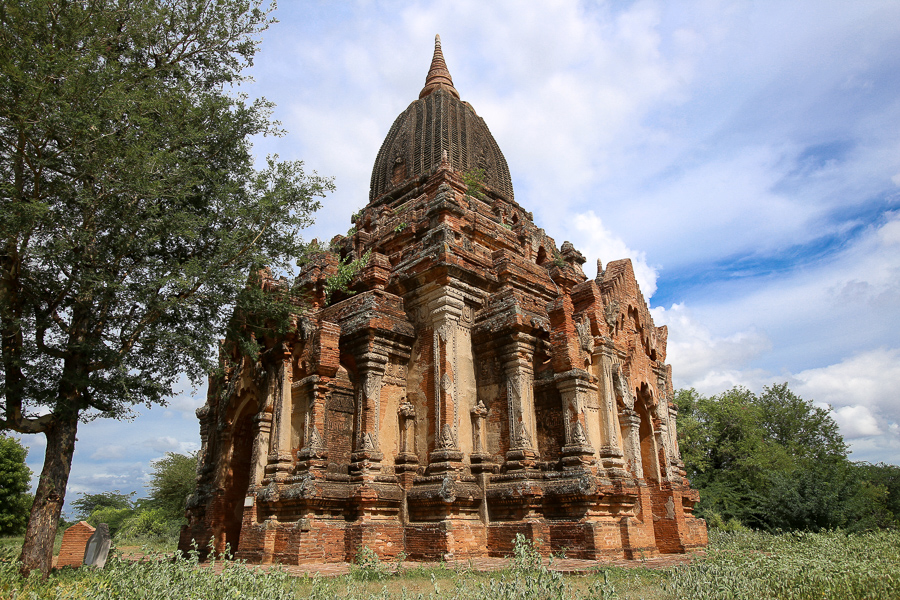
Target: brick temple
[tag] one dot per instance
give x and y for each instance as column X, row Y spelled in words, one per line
column 472, row 384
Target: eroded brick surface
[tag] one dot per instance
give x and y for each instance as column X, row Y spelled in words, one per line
column 75, row 539
column 471, row 386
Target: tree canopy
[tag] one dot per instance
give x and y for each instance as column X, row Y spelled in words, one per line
column 174, row 478
column 15, row 479
column 776, row 461
column 130, row 210
column 88, row 504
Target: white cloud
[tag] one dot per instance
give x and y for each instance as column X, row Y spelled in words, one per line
column 110, row 451
column 889, row 234
column 705, row 361
column 815, row 314
column 869, row 379
column 164, row 444
column 597, row 242
column 856, row 422
column 187, row 405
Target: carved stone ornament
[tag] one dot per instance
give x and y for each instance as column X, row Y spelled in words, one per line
column 524, row 440
column 373, row 385
column 407, row 410
column 306, row 328
column 583, row 327
column 369, row 443
column 444, row 332
column 447, row 440
column 446, row 382
column 578, row 435
column 480, row 410
column 611, row 313
column 622, row 387
column 315, row 440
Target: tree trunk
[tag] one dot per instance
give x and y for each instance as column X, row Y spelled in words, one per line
column 37, row 551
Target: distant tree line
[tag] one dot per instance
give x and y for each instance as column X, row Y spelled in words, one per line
column 158, row 517
column 776, row 461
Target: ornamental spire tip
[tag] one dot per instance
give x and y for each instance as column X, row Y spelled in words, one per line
column 438, row 74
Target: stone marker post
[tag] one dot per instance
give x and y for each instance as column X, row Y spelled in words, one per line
column 98, row 547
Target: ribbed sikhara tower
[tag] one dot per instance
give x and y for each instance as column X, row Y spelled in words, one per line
column 472, row 383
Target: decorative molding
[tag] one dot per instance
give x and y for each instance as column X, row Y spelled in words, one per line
column 583, row 327
column 579, row 436
column 447, row 439
column 315, row 440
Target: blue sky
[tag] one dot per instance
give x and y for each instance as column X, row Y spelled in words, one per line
column 745, row 156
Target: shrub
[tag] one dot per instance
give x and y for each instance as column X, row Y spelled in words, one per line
column 152, row 522
column 113, row 517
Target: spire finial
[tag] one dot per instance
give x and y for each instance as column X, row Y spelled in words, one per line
column 438, row 74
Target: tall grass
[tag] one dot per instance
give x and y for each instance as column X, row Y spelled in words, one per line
column 739, row 565
column 793, row 566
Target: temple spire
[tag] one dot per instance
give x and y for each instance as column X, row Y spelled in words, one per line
column 438, row 74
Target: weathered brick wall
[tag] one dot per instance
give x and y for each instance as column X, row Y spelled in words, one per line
column 427, row 541
column 471, row 314
column 75, row 539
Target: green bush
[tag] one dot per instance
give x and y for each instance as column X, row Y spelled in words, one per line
column 113, row 517
column 367, row 566
column 714, row 520
column 152, row 522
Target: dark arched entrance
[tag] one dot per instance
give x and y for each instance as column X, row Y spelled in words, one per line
column 237, row 480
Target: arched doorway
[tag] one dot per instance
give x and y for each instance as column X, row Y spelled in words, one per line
column 237, row 478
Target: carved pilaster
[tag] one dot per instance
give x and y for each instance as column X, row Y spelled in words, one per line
column 661, row 432
column 262, row 423
column 281, row 462
column 313, row 456
column 676, row 461
column 480, row 460
column 517, row 359
column 407, row 459
column 611, row 451
column 576, row 389
column 631, row 423
column 367, row 453
column 445, row 314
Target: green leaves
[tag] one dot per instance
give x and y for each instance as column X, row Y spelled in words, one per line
column 15, row 479
column 347, row 270
column 131, row 214
column 777, row 461
column 173, row 479
column 130, row 211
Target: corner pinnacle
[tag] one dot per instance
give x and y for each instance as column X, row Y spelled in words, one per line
column 438, row 74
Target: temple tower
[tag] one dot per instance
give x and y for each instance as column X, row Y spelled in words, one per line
column 472, row 384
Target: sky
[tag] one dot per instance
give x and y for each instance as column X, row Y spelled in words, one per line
column 744, row 155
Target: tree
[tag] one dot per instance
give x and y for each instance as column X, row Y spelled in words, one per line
column 130, row 211
column 174, row 478
column 772, row 460
column 881, row 497
column 725, row 451
column 805, row 430
column 15, row 479
column 88, row 504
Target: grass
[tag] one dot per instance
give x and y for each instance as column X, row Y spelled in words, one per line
column 12, row 545
column 738, row 565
